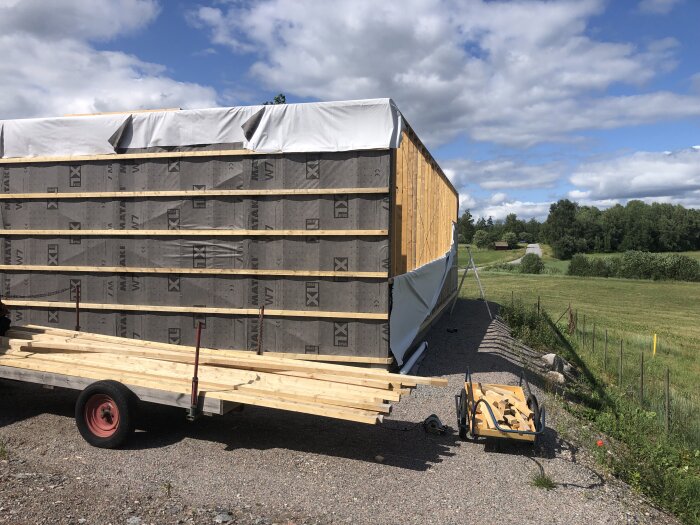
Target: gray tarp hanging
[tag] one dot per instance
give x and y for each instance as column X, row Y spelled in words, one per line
column 414, row 297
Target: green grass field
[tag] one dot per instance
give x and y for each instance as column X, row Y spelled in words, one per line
column 629, row 309
column 485, row 257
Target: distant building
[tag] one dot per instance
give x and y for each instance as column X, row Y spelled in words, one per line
column 501, row 245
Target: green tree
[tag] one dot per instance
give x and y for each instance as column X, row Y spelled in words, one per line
column 279, row 99
column 465, row 226
column 482, row 239
column 511, row 239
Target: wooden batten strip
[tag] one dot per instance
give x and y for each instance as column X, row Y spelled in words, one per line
column 190, row 271
column 129, row 156
column 195, row 233
column 192, row 193
column 199, row 310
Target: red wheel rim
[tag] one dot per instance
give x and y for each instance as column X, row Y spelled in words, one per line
column 101, row 415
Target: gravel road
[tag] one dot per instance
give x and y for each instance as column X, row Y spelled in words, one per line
column 264, row 466
column 531, row 248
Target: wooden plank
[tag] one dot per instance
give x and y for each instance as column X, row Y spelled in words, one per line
column 198, row 309
column 149, row 395
column 195, row 233
column 193, row 193
column 189, row 271
column 350, row 414
column 283, row 364
column 129, row 156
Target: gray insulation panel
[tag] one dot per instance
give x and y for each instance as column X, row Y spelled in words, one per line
column 336, row 336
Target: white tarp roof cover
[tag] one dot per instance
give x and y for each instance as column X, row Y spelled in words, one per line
column 293, row 128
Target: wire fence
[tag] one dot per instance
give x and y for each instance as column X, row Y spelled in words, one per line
column 631, row 366
column 636, row 367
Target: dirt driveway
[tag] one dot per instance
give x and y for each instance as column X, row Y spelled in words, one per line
column 265, row 466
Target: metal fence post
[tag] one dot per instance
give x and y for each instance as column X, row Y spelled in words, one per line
column 619, row 368
column 584, row 331
column 593, row 340
column 605, row 353
column 641, row 379
column 668, row 402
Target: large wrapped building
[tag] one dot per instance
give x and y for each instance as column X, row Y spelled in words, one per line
column 333, row 216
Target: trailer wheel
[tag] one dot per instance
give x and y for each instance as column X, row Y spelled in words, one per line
column 104, row 414
column 534, row 406
column 462, row 423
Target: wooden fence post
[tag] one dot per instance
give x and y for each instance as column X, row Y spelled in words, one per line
column 668, row 402
column 593, row 340
column 641, row 379
column 619, row 368
column 538, row 306
column 584, row 331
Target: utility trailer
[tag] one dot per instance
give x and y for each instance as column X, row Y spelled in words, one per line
column 332, row 216
column 114, row 374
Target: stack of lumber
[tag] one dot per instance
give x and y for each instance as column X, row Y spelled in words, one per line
column 338, row 391
column 510, row 410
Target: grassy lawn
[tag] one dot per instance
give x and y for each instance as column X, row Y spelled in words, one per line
column 484, row 257
column 628, row 308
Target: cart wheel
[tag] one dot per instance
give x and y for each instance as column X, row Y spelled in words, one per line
column 104, row 414
column 534, row 406
column 462, row 419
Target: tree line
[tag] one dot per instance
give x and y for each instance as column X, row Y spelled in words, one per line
column 571, row 228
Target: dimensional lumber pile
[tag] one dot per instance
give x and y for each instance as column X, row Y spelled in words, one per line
column 331, row 390
column 511, row 412
column 333, row 216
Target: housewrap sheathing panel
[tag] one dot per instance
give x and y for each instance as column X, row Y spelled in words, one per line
column 284, row 334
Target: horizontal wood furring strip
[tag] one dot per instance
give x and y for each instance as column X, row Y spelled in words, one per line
column 190, row 271
column 192, row 193
column 195, row 233
column 199, row 310
column 157, row 155
column 116, row 157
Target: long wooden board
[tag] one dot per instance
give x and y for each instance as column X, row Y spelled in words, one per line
column 191, row 193
column 198, row 310
column 190, row 271
column 195, row 233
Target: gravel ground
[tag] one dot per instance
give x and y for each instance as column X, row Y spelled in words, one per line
column 264, row 466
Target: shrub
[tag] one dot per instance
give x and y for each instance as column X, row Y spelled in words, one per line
column 565, row 247
column 526, row 237
column 482, row 239
column 637, row 265
column 531, row 263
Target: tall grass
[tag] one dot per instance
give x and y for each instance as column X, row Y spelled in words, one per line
column 665, row 466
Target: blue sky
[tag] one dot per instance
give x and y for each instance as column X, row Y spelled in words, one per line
column 521, row 102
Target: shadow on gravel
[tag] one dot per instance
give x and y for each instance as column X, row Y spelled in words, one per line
column 396, row 443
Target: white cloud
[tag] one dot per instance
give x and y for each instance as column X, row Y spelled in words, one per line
column 524, row 210
column 502, row 173
column 49, row 66
column 515, row 73
column 657, row 6
column 642, row 175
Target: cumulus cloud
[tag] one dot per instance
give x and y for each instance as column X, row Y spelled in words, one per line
column 523, row 209
column 514, row 73
column 51, row 67
column 502, row 173
column 650, row 175
column 661, row 7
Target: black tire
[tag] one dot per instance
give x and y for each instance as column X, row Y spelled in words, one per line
column 115, row 399
column 534, row 406
column 462, row 419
